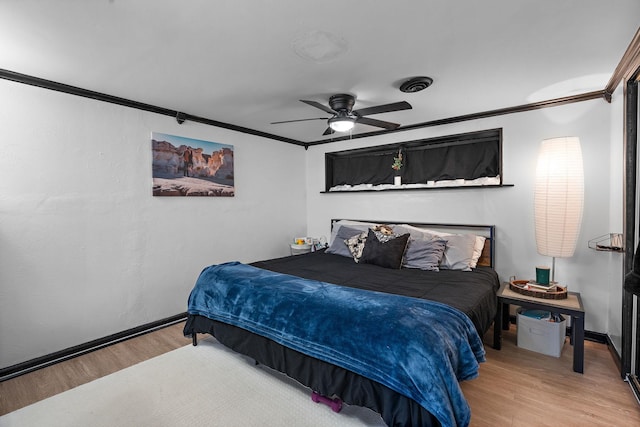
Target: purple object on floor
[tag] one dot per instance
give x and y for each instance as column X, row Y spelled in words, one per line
column 334, row 404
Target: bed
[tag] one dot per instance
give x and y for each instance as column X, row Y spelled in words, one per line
column 456, row 294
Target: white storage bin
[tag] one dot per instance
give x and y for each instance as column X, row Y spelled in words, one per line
column 541, row 336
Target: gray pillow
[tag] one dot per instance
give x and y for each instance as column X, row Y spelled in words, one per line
column 458, row 254
column 424, row 254
column 338, row 246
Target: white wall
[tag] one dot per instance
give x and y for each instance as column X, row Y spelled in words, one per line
column 85, row 249
column 509, row 208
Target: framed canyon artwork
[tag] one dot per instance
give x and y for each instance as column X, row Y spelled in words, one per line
column 191, row 167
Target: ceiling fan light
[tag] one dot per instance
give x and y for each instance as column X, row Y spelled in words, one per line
column 342, row 123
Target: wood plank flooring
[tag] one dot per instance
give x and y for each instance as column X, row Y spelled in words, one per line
column 516, row 387
column 32, row 387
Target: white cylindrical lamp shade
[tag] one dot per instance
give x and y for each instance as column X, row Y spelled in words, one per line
column 559, row 196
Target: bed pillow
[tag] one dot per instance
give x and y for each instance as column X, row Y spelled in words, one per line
column 427, row 234
column 356, row 245
column 387, row 254
column 478, row 248
column 385, row 237
column 424, row 254
column 338, row 245
column 416, row 233
column 458, row 254
column 358, row 225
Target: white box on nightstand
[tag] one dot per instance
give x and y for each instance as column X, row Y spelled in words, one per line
column 541, row 336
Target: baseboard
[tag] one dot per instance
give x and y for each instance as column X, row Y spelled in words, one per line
column 593, row 336
column 78, row 350
column 617, row 359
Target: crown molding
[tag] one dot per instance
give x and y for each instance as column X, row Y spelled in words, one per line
column 628, row 65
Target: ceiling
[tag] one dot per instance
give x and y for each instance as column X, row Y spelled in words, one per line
column 248, row 63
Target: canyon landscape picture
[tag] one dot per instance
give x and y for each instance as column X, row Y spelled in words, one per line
column 191, row 167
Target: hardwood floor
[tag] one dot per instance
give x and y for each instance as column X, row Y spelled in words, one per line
column 515, row 388
column 32, row 387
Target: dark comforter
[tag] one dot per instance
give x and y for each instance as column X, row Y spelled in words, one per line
column 417, row 347
column 472, row 292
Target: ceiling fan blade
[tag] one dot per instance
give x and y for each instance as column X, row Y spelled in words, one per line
column 395, row 106
column 298, row 120
column 377, row 123
column 318, row 105
column 328, row 131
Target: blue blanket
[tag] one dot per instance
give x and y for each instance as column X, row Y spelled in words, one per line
column 416, row 347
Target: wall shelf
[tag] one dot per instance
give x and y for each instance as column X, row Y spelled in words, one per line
column 612, row 242
column 462, row 187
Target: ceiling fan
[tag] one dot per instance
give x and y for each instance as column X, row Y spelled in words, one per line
column 344, row 117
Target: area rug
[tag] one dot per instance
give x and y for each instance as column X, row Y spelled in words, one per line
column 207, row 385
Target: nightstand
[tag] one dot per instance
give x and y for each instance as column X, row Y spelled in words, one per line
column 304, row 248
column 572, row 306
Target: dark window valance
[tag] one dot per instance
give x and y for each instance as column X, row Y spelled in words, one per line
column 465, row 156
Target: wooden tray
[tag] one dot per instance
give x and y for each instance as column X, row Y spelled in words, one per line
column 519, row 286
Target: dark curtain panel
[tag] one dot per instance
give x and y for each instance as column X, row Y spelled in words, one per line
column 372, row 168
column 466, row 156
column 456, row 161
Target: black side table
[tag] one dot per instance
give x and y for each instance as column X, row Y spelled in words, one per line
column 572, row 306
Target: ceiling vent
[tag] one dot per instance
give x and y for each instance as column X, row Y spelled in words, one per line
column 416, row 84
